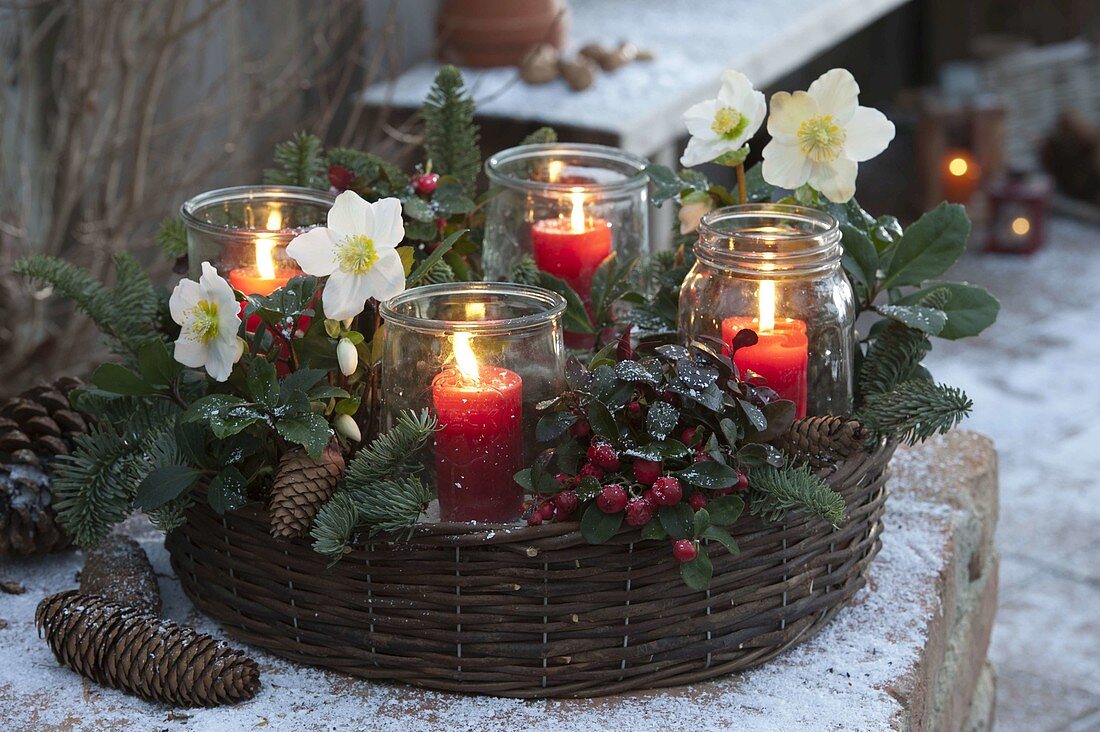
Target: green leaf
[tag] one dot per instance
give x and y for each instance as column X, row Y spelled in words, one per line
column 860, row 258
column 553, row 425
column 724, row 510
column 678, row 520
column 702, row 521
column 602, row 422
column 666, row 184
column 969, row 311
column 422, row 269
column 262, row 382
column 756, row 418
column 654, row 530
column 575, row 319
column 116, row 379
column 708, row 474
column 311, row 431
column 224, row 413
column 292, row 300
column 347, row 405
column 415, row 208
column 450, row 199
column 597, row 526
column 697, row 573
column 929, row 246
column 523, row 478
column 302, row 379
column 722, row 537
column 926, row 320
column 156, row 364
column 227, row 491
column 164, row 484
column 661, row 419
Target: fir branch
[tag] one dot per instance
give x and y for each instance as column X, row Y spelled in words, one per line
column 370, row 168
column 172, row 237
column 94, row 485
column 915, row 411
column 334, row 524
column 541, row 136
column 70, row 281
column 450, row 135
column 173, row 514
column 526, row 272
column 775, row 492
column 134, row 299
column 393, row 452
column 892, row 358
column 388, row 505
column 299, row 162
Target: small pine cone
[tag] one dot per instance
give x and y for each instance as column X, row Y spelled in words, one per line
column 119, row 570
column 302, row 486
column 138, row 653
column 823, row 441
column 28, row 523
column 41, row 421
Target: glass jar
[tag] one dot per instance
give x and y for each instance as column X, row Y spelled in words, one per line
column 480, row 356
column 564, row 207
column 775, row 269
column 244, row 231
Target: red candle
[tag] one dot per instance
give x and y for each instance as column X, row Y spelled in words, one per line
column 251, row 282
column 479, row 446
column 572, row 248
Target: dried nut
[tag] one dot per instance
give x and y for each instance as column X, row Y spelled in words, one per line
column 580, row 73
column 595, row 52
column 621, row 56
column 644, row 55
column 541, row 65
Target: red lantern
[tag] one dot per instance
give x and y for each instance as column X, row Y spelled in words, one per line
column 1019, row 206
column 960, row 175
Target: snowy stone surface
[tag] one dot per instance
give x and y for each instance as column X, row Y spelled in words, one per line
column 841, row 679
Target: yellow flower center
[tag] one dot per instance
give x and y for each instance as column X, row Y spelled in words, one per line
column 729, row 123
column 356, row 254
column 204, row 322
column 821, row 139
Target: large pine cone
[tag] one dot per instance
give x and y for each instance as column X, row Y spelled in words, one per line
column 155, row 659
column 40, row 423
column 823, row 441
column 28, row 524
column 302, row 486
column 119, row 570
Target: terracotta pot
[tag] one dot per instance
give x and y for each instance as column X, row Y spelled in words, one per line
column 484, row 33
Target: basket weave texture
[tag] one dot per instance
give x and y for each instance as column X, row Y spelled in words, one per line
column 536, row 611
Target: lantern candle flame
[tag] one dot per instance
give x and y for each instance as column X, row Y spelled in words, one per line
column 465, row 358
column 576, row 216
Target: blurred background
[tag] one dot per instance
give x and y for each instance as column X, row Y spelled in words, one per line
column 113, row 112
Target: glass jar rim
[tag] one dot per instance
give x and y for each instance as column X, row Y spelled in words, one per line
column 552, row 304
column 587, row 151
column 233, row 194
column 780, row 252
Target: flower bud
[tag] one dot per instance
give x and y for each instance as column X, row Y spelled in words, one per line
column 692, row 208
column 347, row 356
column 346, row 426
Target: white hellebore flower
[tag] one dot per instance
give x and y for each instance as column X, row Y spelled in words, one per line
column 723, row 125
column 209, row 315
column 819, row 136
column 347, row 356
column 356, row 251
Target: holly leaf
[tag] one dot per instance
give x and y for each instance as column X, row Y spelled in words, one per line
column 310, row 430
column 678, row 520
column 725, row 510
column 925, row 319
column 929, row 246
column 227, row 491
column 597, row 526
column 708, row 474
column 970, row 310
column 164, row 484
column 697, row 573
column 661, row 419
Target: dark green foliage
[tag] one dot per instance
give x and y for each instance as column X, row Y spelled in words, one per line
column 392, row 452
column 892, row 358
column 172, row 237
column 450, row 135
column 776, row 491
column 299, row 162
column 914, row 411
column 541, row 136
column 94, row 485
column 526, row 272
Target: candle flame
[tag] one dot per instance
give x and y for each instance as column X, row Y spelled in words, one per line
column 465, row 358
column 553, row 170
column 958, row 167
column 767, row 306
column 265, row 262
column 475, row 311
column 275, row 219
column 576, row 216
column 1020, row 226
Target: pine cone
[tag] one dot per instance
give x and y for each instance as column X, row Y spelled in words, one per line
column 40, row 422
column 28, row 523
column 118, row 570
column 157, row 660
column 302, row 486
column 823, row 441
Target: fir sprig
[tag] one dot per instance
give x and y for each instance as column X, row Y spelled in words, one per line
column 393, row 451
column 450, row 135
column 172, row 237
column 526, row 272
column 892, row 358
column 775, row 492
column 915, row 410
column 94, row 485
column 299, row 161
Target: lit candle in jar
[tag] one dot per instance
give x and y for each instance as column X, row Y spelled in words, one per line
column 263, row 278
column 781, row 354
column 960, row 176
column 479, row 445
column 572, row 248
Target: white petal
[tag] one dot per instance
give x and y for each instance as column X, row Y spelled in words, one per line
column 184, row 297
column 386, row 278
column 221, row 354
column 345, row 295
column 189, row 352
column 868, row 134
column 836, row 93
column 735, row 90
column 699, row 118
column 315, row 251
column 755, row 109
column 350, row 214
column 836, row 180
column 701, row 151
column 789, row 111
column 785, row 165
column 389, row 228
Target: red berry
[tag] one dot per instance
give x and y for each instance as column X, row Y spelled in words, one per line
column 700, row 457
column 590, row 470
column 564, row 479
column 671, row 397
column 647, row 471
column 425, row 184
column 604, row 455
column 534, row 519
column 340, row 177
column 580, row 428
column 742, row 482
column 639, row 512
column 612, row 499
column 566, row 502
column 684, row 550
column 697, row 501
column 547, row 511
column 668, row 491
column 650, row 496
column 687, row 435
column 634, row 411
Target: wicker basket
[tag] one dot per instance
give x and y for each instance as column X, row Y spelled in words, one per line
column 532, row 612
